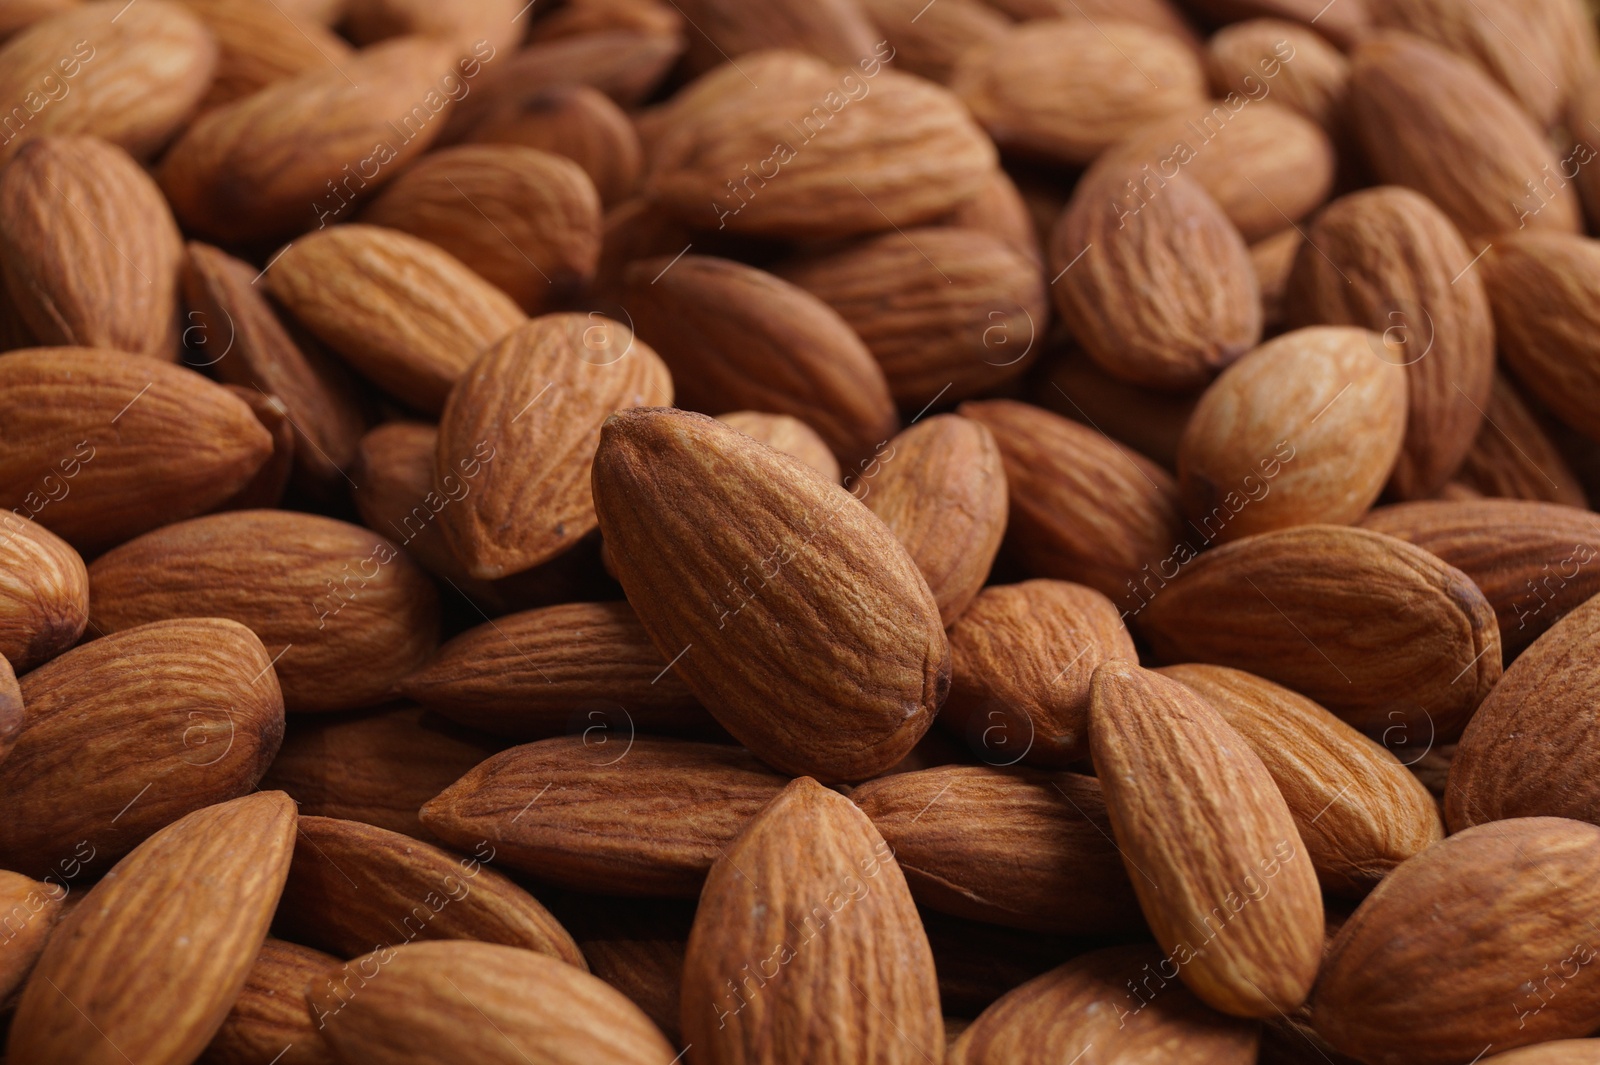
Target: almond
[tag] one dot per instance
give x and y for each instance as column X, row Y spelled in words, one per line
column 404, row 312
column 789, row 435
column 1425, row 973
column 267, row 487
column 486, row 24
column 736, row 336
column 638, row 949
column 553, row 670
column 140, row 727
column 1011, row 847
column 1000, row 210
column 343, row 613
column 579, row 123
column 11, row 712
column 1514, row 458
column 1147, row 421
column 1299, row 66
column 1326, row 604
column 1306, row 428
column 854, row 978
column 836, row 30
column 44, row 593
column 270, row 1016
column 686, row 502
column 261, row 44
column 1556, row 1052
column 942, row 492
column 353, row 886
column 1098, row 1000
column 487, row 1003
column 187, row 912
column 1034, row 105
column 636, row 816
column 108, row 447
column 1021, row 658
column 1210, row 844
column 1359, row 811
column 560, row 377
column 1274, row 260
column 1164, row 295
column 1343, row 26
column 928, row 43
column 628, row 64
column 31, row 910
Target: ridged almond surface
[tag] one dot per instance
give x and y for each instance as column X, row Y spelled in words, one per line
column 578, row 123
column 1513, row 456
column 89, row 250
column 543, row 672
column 140, row 728
column 1012, row 847
column 1210, row 844
column 537, row 400
column 261, row 43
column 479, row 1002
column 812, row 890
column 44, row 593
column 942, row 492
column 1306, row 428
column 299, row 153
column 1098, row 1000
column 11, row 709
column 1360, row 812
column 270, row 1016
column 1384, row 634
column 1483, row 940
column 637, row 947
column 344, row 613
column 147, row 966
column 738, row 337
column 776, row 553
column 1298, row 66
column 608, row 814
column 1021, row 659
column 353, row 887
column 928, row 43
column 1388, row 260
column 789, row 435
column 31, row 910
column 835, row 30
column 145, row 443
column 1144, row 420
column 1000, row 210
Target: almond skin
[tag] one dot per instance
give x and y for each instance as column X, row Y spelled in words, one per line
column 32, row 909
column 942, row 492
column 1021, row 659
column 789, row 435
column 1326, row 600
column 150, row 963
column 11, row 711
column 491, row 23
column 1203, row 829
column 544, row 672
column 353, row 886
column 261, row 45
column 1012, row 847
column 1304, row 429
column 1303, row 69
column 579, row 123
column 824, row 900
column 44, row 593
column 836, row 30
column 342, row 610
column 439, row 995
column 646, row 817
column 929, row 43
column 867, row 663
column 138, row 443
column 637, row 949
column 1556, row 1052
column 736, row 336
column 89, row 250
column 1359, row 811
column 1383, row 995
column 188, row 709
column 1514, row 458
column 1088, row 1002
column 536, row 400
column 270, row 1016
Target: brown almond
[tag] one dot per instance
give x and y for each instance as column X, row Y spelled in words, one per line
column 31, row 911
column 11, row 709
column 1299, row 67
column 1274, row 260
column 1513, row 457
column 626, row 63
column 267, row 487
column 1147, row 421
column 484, row 25
column 928, row 43
column 835, row 30
column 638, row 949
column 270, row 1016
column 262, row 43
column 1555, row 1052
column 789, row 435
column 1000, row 210
column 579, row 123
column 44, row 602
column 1343, row 25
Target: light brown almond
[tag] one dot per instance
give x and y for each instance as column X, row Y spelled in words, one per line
column 577, row 122
column 789, row 435
column 44, row 593
column 262, row 43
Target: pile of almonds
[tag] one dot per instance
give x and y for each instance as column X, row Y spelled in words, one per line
column 799, row 532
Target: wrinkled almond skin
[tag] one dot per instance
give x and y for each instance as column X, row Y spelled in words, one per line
column 1000, row 210
column 1210, row 844
column 1388, row 260
column 637, row 947
column 343, row 611
column 260, row 44
column 736, row 336
column 1514, row 458
column 353, row 886
column 44, row 593
column 191, row 904
column 867, row 664
column 140, row 727
column 579, row 123
column 270, row 1016
column 1304, row 429
column 536, row 401
column 1021, row 659
column 836, row 30
column 1143, row 419
column 1090, row 1001
column 31, row 910
column 789, row 435
column 1425, row 973
column 621, row 816
column 1160, row 294
column 857, row 979
column 929, row 43
column 1313, row 606
column 1359, row 811
column 942, row 492
column 99, row 448
column 1012, row 847
column 1298, row 66
column 89, row 250
column 11, row 710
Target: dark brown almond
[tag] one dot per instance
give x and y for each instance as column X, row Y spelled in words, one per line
column 31, row 910
column 270, row 1016
column 579, row 123
column 1514, row 458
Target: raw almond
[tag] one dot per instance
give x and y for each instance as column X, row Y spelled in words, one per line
column 628, row 64
column 270, row 1016
column 489, row 25
column 1210, row 844
column 1555, row 1052
column 836, row 30
column 637, row 947
column 1000, row 210
column 1343, row 26
column 267, row 487
column 686, row 502
column 579, row 123
column 1147, row 421
column 928, row 43
column 31, row 910
column 1296, row 64
column 261, row 44
column 1274, row 259
column 44, row 593
column 11, row 709
column 1514, row 458
column 150, row 963
column 789, row 435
